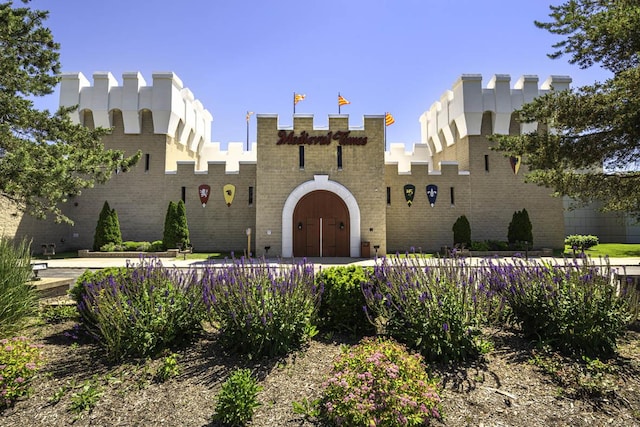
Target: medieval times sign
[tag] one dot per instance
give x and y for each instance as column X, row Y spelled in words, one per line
column 343, row 138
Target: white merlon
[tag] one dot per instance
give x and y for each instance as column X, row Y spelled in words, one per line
column 174, row 109
column 405, row 159
column 459, row 111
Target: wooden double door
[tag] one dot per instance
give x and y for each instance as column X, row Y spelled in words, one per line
column 321, row 226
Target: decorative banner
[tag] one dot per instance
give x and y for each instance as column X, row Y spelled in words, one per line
column 432, row 193
column 409, row 192
column 229, row 193
column 203, row 192
column 515, row 163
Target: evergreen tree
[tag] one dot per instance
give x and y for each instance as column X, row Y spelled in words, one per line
column 182, row 228
column 520, row 228
column 587, row 145
column 462, row 232
column 169, row 238
column 107, row 229
column 44, row 157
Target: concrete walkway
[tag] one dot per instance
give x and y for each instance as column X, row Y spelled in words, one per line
column 98, row 263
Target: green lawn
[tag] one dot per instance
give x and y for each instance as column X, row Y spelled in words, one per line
column 614, row 250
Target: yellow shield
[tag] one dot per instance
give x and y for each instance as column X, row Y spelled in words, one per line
column 229, row 192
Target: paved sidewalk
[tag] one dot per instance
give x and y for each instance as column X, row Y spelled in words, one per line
column 97, row 263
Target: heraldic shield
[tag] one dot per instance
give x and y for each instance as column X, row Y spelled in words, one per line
column 432, row 194
column 229, row 192
column 409, row 192
column 203, row 191
column 515, row 162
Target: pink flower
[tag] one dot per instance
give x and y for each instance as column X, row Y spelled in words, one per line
column 19, row 380
column 30, row 365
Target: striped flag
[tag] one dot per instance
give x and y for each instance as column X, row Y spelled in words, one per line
column 249, row 113
column 342, row 100
column 388, row 119
column 297, row 97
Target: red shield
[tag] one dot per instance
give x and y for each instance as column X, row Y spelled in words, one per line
column 203, row 191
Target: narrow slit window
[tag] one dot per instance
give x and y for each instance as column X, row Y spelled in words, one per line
column 339, row 156
column 301, row 156
column 147, row 159
column 250, row 196
column 388, row 195
column 184, row 194
column 486, row 162
column 453, row 198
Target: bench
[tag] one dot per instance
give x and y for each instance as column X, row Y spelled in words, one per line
column 36, row 267
column 48, row 249
column 185, row 251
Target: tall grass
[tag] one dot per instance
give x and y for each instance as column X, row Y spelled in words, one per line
column 18, row 298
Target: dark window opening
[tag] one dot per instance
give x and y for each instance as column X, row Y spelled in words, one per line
column 486, row 162
column 147, row 158
column 453, row 200
column 250, row 196
column 301, row 156
column 388, row 195
column 184, row 194
column 339, row 156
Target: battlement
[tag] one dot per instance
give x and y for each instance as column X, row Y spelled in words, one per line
column 307, row 122
column 459, row 111
column 174, row 109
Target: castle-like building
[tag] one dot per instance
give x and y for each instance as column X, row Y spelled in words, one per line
column 307, row 190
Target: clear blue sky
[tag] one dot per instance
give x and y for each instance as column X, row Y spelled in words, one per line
column 238, row 56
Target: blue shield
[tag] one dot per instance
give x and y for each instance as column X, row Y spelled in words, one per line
column 432, row 193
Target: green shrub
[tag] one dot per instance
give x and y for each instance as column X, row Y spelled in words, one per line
column 168, row 369
column 107, row 229
column 18, row 298
column 89, row 277
column 260, row 309
column 141, row 310
column 341, row 307
column 462, row 232
column 58, row 313
column 479, row 246
column 111, row 247
column 434, row 310
column 581, row 242
column 156, row 246
column 520, row 229
column 19, row 362
column 237, row 399
column 378, row 383
column 496, row 245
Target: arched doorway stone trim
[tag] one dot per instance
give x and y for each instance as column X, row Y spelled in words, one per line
column 320, row 182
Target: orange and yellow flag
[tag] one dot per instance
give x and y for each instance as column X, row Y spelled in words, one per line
column 342, row 100
column 388, row 119
column 248, row 116
column 297, row 97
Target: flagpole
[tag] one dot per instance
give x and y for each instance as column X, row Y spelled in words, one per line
column 248, row 131
column 294, row 102
column 385, row 132
column 338, row 102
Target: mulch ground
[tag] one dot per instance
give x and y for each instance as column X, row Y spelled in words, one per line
column 502, row 389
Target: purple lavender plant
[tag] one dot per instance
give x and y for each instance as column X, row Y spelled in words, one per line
column 261, row 309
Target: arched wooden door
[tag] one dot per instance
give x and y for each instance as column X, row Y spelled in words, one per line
column 321, row 226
